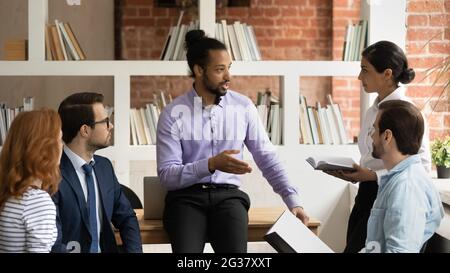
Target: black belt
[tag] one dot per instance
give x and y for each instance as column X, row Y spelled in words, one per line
column 205, row 186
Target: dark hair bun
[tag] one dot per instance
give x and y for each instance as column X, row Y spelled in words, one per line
column 407, row 76
column 193, row 37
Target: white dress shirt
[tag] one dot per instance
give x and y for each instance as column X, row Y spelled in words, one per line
column 365, row 140
column 77, row 163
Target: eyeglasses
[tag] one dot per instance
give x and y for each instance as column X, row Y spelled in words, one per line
column 106, row 120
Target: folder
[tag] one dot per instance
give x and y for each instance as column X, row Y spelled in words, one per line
column 290, row 235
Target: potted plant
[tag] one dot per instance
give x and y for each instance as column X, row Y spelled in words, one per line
column 440, row 155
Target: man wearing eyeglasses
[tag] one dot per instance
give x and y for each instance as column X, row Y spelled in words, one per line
column 90, row 198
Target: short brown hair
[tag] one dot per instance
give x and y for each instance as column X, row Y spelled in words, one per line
column 29, row 153
column 77, row 110
column 406, row 123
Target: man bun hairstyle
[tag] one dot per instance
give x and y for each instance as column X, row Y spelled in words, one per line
column 197, row 46
column 193, row 37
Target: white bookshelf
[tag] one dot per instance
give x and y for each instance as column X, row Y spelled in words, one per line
column 289, row 73
column 291, row 152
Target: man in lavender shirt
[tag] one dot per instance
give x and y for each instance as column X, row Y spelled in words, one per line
column 200, row 139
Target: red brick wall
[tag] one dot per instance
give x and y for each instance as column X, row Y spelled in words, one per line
column 287, row 30
column 426, row 20
column 428, row 43
column 294, row 30
column 346, row 90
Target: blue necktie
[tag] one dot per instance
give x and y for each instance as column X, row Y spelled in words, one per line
column 91, row 207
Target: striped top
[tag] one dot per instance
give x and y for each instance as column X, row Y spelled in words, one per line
column 28, row 224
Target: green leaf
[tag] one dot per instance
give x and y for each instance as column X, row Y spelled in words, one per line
column 440, row 152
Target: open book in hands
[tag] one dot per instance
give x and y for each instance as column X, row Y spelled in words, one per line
column 331, row 163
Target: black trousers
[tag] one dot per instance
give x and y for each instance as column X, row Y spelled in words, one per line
column 196, row 215
column 357, row 223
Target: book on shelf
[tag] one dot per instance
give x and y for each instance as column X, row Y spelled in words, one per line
column 305, row 126
column 339, row 122
column 234, row 44
column 324, row 126
column 312, row 122
column 331, row 163
column 144, row 121
column 69, row 44
column 355, row 41
column 61, row 39
column 169, row 55
column 290, row 235
column 133, row 130
column 321, row 125
column 75, row 42
column 226, row 37
column 241, row 40
column 166, row 43
column 8, row 114
column 49, row 46
column 238, row 38
column 270, row 114
column 254, row 44
column 139, row 122
column 54, row 40
column 61, row 43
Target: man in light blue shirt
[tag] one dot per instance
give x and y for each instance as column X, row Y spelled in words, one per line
column 200, row 140
column 408, row 209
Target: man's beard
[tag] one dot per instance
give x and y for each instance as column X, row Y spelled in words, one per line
column 375, row 153
column 94, row 146
column 218, row 90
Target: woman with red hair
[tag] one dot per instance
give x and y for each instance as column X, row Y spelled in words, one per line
column 29, row 174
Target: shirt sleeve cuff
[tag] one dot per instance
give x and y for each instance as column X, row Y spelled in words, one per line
column 201, row 168
column 380, row 173
column 292, row 201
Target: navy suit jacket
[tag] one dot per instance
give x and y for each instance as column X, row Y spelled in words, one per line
column 74, row 234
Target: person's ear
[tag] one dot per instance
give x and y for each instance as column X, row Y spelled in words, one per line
column 84, row 130
column 388, row 74
column 388, row 136
column 198, row 70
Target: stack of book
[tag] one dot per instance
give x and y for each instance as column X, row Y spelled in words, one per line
column 7, row 115
column 355, row 41
column 144, row 121
column 321, row 125
column 174, row 46
column 61, row 43
column 270, row 113
column 239, row 39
